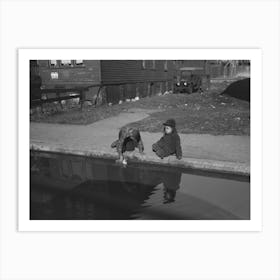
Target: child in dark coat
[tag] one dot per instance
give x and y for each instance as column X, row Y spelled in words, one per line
column 169, row 143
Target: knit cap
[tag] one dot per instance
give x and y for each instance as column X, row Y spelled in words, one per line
column 171, row 123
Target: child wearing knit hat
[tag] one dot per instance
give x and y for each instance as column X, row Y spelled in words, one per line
column 169, row 143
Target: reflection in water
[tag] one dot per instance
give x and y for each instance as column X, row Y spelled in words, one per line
column 171, row 183
column 71, row 187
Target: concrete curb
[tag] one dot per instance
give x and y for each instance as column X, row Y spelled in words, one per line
column 236, row 168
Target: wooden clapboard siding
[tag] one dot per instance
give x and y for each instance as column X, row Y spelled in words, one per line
column 109, row 72
column 132, row 71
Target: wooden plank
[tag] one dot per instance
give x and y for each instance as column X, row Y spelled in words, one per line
column 37, row 102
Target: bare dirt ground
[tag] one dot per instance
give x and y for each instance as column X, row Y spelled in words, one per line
column 200, row 113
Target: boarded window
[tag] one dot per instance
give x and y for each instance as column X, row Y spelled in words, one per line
column 54, row 75
column 65, row 62
column 53, row 63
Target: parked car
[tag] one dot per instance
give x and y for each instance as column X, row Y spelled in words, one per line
column 190, row 79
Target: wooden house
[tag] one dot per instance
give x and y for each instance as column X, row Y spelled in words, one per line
column 107, row 81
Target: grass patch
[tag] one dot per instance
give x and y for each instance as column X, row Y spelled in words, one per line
column 209, row 112
column 232, row 118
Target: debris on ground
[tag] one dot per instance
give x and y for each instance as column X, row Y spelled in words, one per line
column 210, row 112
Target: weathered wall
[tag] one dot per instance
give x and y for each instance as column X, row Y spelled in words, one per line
column 70, row 76
column 132, row 71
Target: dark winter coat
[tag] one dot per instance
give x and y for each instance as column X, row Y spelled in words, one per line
column 169, row 144
column 129, row 139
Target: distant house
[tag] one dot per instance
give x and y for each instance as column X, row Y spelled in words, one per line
column 110, row 80
column 227, row 68
column 213, row 68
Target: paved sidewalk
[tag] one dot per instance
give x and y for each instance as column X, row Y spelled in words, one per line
column 221, row 153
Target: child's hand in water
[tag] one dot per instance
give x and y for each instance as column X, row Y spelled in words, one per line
column 120, row 160
column 142, row 156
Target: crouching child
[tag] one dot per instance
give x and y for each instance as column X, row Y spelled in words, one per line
column 129, row 139
column 169, row 143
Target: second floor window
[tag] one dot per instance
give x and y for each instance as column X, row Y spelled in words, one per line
column 53, row 63
column 65, row 62
column 79, row 62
